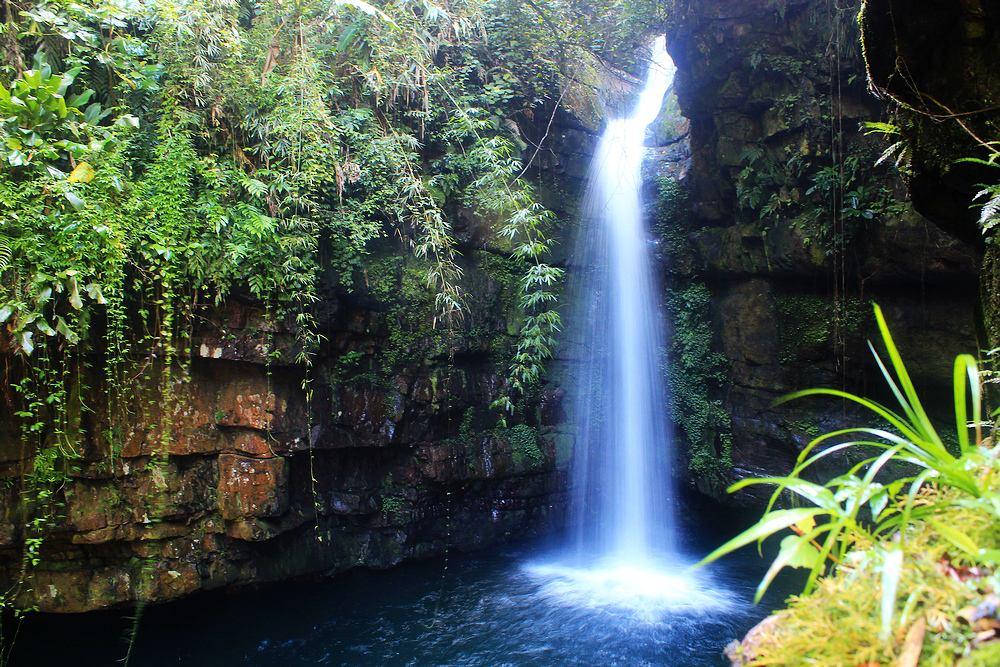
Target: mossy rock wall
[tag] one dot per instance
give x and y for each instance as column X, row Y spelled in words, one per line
column 783, row 231
column 394, row 454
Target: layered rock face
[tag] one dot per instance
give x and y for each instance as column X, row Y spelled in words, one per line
column 785, row 229
column 235, row 473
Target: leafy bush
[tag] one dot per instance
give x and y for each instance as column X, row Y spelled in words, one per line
column 40, row 125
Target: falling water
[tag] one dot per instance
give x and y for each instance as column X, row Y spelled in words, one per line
column 621, row 473
column 622, row 508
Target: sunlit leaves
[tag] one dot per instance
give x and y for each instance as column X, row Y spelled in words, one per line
column 989, row 214
column 83, row 172
column 892, row 570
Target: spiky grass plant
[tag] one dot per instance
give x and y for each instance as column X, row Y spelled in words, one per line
column 860, row 509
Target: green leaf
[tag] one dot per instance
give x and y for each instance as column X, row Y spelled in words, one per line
column 973, row 160
column 877, row 127
column 880, row 499
column 94, row 292
column 966, row 371
column 81, row 99
column 896, row 420
column 913, row 401
column 127, row 120
column 74, row 293
column 67, row 78
column 892, row 570
column 768, row 524
column 367, row 8
column 75, row 201
column 63, row 328
column 956, row 537
column 795, row 551
column 814, row 493
column 27, row 346
column 989, row 556
column 92, row 114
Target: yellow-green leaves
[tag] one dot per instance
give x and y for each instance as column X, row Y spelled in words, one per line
column 768, row 525
column 956, row 537
column 83, row 172
column 366, row 8
column 966, row 379
column 796, row 551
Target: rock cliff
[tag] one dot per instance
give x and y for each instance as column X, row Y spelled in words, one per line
column 785, row 229
column 389, row 454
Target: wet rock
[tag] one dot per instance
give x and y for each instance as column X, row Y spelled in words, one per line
column 235, row 475
column 251, row 487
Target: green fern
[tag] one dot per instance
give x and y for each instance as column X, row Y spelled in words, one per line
column 6, row 255
column 989, row 215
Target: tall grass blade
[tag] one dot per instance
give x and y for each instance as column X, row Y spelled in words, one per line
column 904, row 379
column 768, row 525
column 892, row 570
column 967, row 371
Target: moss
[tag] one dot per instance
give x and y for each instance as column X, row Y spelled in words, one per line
column 524, row 449
column 467, row 430
column 352, row 367
column 987, row 656
column 673, row 208
column 804, row 324
column 672, row 122
column 393, row 505
column 807, row 324
column 496, row 295
column 805, row 427
column 392, row 502
column 399, row 283
column 505, row 272
column 697, row 376
column 492, row 313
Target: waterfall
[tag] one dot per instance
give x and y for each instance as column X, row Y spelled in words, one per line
column 622, row 553
column 621, row 503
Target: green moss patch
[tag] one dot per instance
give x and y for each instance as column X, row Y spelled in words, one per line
column 697, row 375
